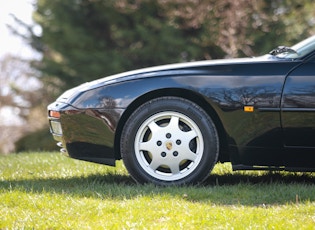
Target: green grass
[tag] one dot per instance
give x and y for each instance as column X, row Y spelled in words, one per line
column 49, row 191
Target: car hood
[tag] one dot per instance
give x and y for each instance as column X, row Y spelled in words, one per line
column 153, row 71
column 181, row 68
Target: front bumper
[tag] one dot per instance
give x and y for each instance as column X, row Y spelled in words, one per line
column 84, row 134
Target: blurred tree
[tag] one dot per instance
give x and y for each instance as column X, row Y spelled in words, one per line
column 283, row 22
column 20, row 88
column 84, row 40
column 243, row 27
column 20, row 101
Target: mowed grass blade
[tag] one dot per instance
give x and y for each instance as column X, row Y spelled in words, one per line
column 50, row 191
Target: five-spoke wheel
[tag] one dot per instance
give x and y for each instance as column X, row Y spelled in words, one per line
column 169, row 140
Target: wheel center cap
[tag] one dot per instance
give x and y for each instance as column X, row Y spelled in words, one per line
column 169, row 145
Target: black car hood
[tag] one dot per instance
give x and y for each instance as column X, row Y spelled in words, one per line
column 151, row 71
column 188, row 67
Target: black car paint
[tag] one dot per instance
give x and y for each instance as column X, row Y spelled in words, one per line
column 273, row 135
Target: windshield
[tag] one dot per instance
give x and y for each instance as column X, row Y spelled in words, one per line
column 297, row 51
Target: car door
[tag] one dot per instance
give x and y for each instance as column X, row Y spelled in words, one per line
column 298, row 107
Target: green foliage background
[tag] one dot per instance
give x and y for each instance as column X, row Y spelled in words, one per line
column 50, row 191
column 82, row 40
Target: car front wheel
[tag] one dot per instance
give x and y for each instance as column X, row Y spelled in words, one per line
column 169, row 140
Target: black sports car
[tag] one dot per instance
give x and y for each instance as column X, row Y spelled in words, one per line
column 171, row 124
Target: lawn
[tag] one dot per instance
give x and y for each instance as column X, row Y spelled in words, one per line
column 50, row 191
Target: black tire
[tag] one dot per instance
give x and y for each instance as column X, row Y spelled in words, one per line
column 169, row 141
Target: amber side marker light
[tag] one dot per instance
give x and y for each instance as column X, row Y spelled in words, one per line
column 249, row 109
column 54, row 114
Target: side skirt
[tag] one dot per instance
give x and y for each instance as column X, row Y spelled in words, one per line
column 271, row 168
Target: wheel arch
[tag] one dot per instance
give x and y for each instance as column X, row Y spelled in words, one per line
column 183, row 93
